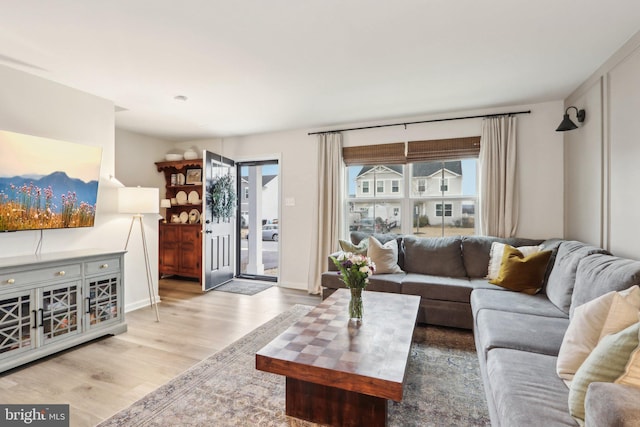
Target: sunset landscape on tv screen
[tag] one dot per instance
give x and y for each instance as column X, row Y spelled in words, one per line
column 46, row 183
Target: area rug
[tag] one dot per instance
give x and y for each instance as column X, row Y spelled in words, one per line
column 244, row 287
column 443, row 386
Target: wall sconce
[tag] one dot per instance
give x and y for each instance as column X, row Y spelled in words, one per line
column 567, row 124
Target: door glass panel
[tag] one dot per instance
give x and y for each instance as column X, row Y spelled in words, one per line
column 259, row 223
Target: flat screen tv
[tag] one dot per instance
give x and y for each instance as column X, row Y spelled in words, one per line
column 46, row 184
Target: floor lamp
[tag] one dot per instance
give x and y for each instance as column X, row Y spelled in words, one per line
column 138, row 201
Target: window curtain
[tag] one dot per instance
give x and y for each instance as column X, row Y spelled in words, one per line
column 498, row 185
column 327, row 216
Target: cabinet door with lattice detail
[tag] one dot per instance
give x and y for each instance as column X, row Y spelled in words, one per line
column 102, row 299
column 59, row 314
column 17, row 323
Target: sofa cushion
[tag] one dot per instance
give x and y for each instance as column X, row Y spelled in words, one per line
column 607, row 314
column 525, row 389
column 437, row 287
column 522, row 273
column 384, row 256
column 550, row 245
column 489, row 299
column 475, row 254
column 598, row 274
column 380, row 283
column 526, row 332
column 605, row 363
column 612, row 405
column 563, row 275
column 436, row 256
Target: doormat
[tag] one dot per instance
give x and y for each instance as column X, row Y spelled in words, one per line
column 244, row 287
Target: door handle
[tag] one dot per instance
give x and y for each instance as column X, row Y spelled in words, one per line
column 208, row 231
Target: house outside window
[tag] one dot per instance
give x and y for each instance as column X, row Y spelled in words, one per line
column 443, row 207
column 374, row 213
column 447, row 209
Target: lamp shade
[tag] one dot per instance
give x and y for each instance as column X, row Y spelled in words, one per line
column 138, row 200
column 566, row 124
column 165, row 203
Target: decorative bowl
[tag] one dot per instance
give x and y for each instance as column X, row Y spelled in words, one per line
column 171, row 157
column 190, row 155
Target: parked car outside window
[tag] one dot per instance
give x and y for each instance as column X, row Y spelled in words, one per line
column 270, row 232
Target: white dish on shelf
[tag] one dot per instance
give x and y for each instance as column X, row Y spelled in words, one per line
column 180, row 179
column 194, row 216
column 181, row 197
column 194, row 197
column 190, row 155
column 184, row 217
column 171, row 157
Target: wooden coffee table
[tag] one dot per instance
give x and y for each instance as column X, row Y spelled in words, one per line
column 339, row 374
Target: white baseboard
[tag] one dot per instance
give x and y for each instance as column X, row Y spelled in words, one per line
column 139, row 304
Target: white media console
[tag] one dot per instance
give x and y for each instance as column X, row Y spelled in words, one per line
column 50, row 302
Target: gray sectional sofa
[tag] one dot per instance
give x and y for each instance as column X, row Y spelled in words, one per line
column 517, row 336
column 442, row 271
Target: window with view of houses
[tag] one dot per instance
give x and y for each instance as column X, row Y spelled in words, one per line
column 426, row 198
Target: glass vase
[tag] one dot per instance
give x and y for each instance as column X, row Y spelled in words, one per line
column 355, row 306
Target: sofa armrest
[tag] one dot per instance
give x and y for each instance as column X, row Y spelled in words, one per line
column 330, row 265
column 609, row 404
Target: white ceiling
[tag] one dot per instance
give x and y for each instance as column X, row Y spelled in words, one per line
column 251, row 66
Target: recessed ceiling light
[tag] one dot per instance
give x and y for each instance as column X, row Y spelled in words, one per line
column 180, row 98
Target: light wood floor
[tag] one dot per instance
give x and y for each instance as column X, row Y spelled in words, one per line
column 104, row 376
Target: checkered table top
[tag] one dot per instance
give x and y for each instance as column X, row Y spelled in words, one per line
column 323, row 348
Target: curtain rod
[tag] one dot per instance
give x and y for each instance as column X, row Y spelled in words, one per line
column 423, row 121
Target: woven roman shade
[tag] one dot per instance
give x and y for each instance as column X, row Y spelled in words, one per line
column 443, row 149
column 381, row 154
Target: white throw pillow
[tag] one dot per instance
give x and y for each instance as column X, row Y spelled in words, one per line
column 592, row 321
column 495, row 257
column 631, row 374
column 385, row 257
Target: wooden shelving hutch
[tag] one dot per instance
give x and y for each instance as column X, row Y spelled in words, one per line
column 180, row 243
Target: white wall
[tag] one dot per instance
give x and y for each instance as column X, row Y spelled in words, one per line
column 605, row 151
column 539, row 172
column 36, row 106
column 135, row 155
column 583, row 171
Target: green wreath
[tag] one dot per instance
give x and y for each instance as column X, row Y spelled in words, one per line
column 221, row 197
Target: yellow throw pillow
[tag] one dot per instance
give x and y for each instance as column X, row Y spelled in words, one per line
column 497, row 252
column 520, row 273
